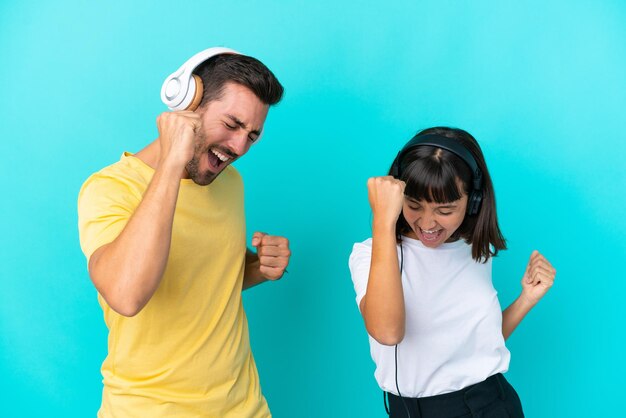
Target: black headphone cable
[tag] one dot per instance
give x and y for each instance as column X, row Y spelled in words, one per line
column 406, row 408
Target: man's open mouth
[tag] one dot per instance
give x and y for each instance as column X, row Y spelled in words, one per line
column 218, row 159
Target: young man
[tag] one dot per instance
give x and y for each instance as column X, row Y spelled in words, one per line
column 164, row 234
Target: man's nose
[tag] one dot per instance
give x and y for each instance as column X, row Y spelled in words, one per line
column 239, row 143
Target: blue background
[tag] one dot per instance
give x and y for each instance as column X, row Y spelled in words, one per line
column 542, row 85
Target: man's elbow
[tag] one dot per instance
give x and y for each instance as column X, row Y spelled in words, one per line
column 121, row 299
column 119, row 289
column 123, row 304
column 126, row 309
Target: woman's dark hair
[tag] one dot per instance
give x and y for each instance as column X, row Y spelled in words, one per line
column 241, row 69
column 432, row 174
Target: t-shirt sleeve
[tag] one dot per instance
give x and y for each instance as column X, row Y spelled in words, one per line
column 359, row 263
column 105, row 205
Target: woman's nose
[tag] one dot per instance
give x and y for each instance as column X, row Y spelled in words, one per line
column 427, row 222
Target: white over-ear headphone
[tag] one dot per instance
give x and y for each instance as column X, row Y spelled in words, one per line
column 182, row 90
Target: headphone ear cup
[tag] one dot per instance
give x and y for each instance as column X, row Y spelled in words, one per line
column 197, row 95
column 473, row 203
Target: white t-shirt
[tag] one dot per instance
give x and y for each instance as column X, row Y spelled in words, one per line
column 453, row 333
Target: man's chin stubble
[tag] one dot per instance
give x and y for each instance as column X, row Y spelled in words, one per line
column 194, row 175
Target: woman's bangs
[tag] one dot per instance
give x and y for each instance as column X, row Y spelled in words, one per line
column 431, row 181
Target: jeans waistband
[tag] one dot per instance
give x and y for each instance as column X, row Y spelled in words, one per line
column 464, row 401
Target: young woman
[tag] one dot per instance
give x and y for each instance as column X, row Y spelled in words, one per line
column 423, row 283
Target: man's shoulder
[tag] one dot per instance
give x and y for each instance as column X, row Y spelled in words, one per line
column 128, row 169
column 232, row 173
column 229, row 181
column 128, row 173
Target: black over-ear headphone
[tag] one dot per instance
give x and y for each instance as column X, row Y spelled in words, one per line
column 449, row 144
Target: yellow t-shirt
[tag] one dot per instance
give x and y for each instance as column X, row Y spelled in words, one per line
column 187, row 353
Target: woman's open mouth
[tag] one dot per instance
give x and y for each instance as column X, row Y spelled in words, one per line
column 430, row 235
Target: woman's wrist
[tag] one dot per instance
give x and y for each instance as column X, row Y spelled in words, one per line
column 525, row 302
column 382, row 225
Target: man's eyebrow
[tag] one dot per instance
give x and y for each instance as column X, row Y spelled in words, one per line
column 241, row 124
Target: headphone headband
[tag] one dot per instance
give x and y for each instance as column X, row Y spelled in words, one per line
column 440, row 141
column 178, row 90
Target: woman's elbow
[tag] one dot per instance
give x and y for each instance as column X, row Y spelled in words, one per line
column 387, row 336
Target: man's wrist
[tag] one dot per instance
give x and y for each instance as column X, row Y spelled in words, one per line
column 171, row 165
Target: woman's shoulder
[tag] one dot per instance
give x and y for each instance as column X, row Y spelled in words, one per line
column 362, row 246
column 360, row 258
column 361, row 250
column 367, row 242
